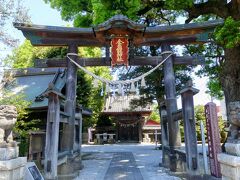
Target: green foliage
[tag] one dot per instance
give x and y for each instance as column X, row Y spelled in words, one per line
column 229, row 34
column 215, row 89
column 212, row 68
column 178, row 4
column 22, row 126
column 104, row 120
column 200, row 116
column 92, row 12
column 24, row 55
column 155, row 114
column 17, row 100
column 104, row 9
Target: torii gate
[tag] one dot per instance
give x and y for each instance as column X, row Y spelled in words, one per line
column 137, row 35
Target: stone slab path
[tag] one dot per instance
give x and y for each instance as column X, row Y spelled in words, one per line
column 123, row 167
column 122, row 162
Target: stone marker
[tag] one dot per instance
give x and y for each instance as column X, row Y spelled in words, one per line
column 11, row 166
column 214, row 145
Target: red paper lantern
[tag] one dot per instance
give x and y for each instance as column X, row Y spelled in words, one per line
column 119, row 51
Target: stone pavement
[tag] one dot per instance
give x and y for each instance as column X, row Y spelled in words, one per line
column 123, row 162
column 123, row 166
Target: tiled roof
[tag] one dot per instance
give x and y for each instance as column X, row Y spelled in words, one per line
column 152, row 123
column 122, row 104
column 33, row 82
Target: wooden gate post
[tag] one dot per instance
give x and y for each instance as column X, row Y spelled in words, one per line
column 190, row 128
column 52, row 135
column 164, row 135
column 68, row 136
column 174, row 136
column 171, row 101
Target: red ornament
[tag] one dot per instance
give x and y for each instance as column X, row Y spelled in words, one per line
column 119, row 51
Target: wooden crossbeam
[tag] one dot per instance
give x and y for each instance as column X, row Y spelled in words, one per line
column 136, row 61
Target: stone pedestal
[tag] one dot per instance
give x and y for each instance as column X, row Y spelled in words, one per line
column 11, row 166
column 12, row 169
column 230, row 166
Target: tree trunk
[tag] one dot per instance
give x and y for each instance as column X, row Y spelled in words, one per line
column 230, row 75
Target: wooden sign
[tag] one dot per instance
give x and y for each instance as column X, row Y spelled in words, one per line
column 119, row 51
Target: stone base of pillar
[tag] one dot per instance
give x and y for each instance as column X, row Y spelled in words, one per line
column 230, row 166
column 13, row 168
column 165, row 158
column 70, row 168
column 175, row 159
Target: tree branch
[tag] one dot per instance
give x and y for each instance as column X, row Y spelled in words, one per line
column 149, row 6
column 218, row 7
column 234, row 9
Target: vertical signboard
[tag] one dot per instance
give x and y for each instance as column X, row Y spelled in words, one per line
column 119, row 51
column 214, row 146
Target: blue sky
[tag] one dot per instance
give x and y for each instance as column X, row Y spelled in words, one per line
column 42, row 14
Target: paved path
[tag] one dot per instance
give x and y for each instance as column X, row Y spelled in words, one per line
column 123, row 167
column 122, row 162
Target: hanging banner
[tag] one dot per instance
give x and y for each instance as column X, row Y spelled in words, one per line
column 119, row 51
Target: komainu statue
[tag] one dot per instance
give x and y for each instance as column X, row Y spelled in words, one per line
column 8, row 117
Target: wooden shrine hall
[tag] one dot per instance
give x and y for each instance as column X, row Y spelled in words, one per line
column 127, row 34
column 129, row 121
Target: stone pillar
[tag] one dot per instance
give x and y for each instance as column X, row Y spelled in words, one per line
column 68, row 136
column 171, row 104
column 230, row 161
column 190, row 128
column 11, row 166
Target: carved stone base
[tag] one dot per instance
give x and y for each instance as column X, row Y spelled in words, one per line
column 12, row 169
column 8, row 153
column 230, row 166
